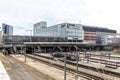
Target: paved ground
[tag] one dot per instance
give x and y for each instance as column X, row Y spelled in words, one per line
column 21, row 71
column 3, row 73
column 48, row 69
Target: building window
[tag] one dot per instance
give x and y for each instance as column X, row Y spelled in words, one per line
column 63, row 25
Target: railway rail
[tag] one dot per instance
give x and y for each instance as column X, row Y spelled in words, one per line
column 91, row 59
column 104, row 56
column 59, row 66
column 83, row 66
column 87, row 73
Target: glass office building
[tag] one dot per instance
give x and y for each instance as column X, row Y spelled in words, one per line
column 7, row 29
column 64, row 30
column 99, row 32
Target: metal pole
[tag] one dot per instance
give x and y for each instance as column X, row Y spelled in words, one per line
column 65, row 66
column 77, row 63
column 33, row 53
column 30, row 34
column 25, row 54
column 77, row 67
column 21, row 51
column 109, row 54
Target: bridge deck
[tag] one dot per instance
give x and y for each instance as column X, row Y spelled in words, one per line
column 28, row 43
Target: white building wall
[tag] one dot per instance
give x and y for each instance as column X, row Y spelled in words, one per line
column 39, row 27
column 75, row 32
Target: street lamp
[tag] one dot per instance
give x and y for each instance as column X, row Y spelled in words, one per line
column 30, row 34
column 30, row 41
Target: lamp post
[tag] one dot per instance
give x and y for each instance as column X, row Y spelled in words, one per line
column 65, row 66
column 30, row 41
column 30, row 34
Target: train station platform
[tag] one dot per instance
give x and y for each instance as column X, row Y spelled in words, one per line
column 3, row 73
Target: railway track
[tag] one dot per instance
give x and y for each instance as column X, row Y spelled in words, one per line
column 85, row 72
column 61, row 67
column 100, row 60
column 111, row 57
column 84, row 66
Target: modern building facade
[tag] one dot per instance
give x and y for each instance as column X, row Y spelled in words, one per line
column 97, row 32
column 90, row 37
column 64, row 30
column 1, row 35
column 111, row 39
column 70, row 31
column 7, row 29
column 38, row 26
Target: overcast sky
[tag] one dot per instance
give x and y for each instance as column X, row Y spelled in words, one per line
column 22, row 14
